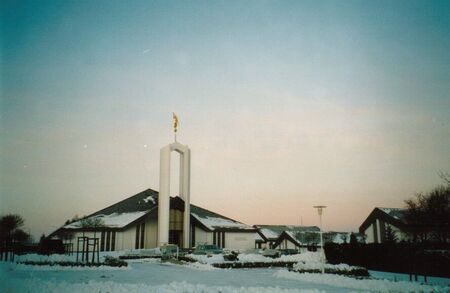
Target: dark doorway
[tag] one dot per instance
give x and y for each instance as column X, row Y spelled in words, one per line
column 175, row 237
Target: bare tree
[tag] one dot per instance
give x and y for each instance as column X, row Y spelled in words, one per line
column 92, row 223
column 429, row 215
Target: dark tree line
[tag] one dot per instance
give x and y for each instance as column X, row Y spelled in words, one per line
column 428, row 214
column 11, row 234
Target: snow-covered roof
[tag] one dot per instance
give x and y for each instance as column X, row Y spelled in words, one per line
column 213, row 223
column 313, row 237
column 272, row 232
column 258, row 237
column 131, row 209
column 114, row 220
column 290, row 234
column 396, row 213
column 150, row 198
column 269, row 234
column 393, row 216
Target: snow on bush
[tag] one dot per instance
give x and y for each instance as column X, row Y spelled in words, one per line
column 104, row 254
column 318, row 266
column 215, row 258
column 114, row 262
column 142, row 252
column 26, row 267
column 305, row 257
column 355, row 284
column 253, row 257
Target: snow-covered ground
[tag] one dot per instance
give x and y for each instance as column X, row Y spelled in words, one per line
column 405, row 277
column 150, row 275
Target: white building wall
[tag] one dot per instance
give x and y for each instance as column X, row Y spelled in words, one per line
column 151, row 233
column 290, row 245
column 124, row 239
column 378, row 240
column 265, row 245
column 77, row 234
column 370, row 237
column 202, row 237
column 127, row 239
column 286, row 244
column 239, row 240
column 369, row 234
column 119, row 240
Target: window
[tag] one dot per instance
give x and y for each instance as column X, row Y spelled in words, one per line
column 108, row 241
column 136, row 244
column 175, row 220
column 142, row 235
column 193, row 236
column 174, row 237
column 108, row 238
column 113, row 241
column 219, row 239
column 223, row 240
column 102, row 241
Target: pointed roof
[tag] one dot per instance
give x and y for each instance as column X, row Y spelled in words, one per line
column 272, row 232
column 136, row 207
column 211, row 221
column 312, row 237
column 393, row 216
column 396, row 213
column 142, row 201
column 120, row 214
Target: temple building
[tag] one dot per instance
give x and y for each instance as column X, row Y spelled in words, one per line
column 133, row 224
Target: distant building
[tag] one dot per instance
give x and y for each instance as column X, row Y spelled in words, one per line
column 384, row 224
column 310, row 240
column 133, row 224
column 268, row 234
column 278, row 236
column 298, row 237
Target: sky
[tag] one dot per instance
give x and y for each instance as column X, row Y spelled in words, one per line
column 284, row 104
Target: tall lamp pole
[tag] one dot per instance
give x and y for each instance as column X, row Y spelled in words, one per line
column 320, row 212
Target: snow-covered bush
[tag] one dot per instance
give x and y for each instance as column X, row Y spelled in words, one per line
column 340, row 269
column 114, row 262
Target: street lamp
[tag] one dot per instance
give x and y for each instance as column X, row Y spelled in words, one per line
column 320, row 211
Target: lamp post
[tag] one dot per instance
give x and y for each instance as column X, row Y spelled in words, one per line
column 322, row 256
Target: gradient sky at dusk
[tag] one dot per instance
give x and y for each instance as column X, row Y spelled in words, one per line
column 284, row 104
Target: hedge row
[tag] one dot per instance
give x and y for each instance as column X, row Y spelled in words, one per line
column 109, row 261
column 248, row 265
column 138, row 256
column 360, row 272
column 394, row 257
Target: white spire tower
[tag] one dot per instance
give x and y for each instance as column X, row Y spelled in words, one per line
column 164, row 188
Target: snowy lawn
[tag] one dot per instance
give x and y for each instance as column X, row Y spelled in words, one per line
column 153, row 276
column 405, row 277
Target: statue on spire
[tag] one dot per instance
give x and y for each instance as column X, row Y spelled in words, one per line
column 175, row 124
